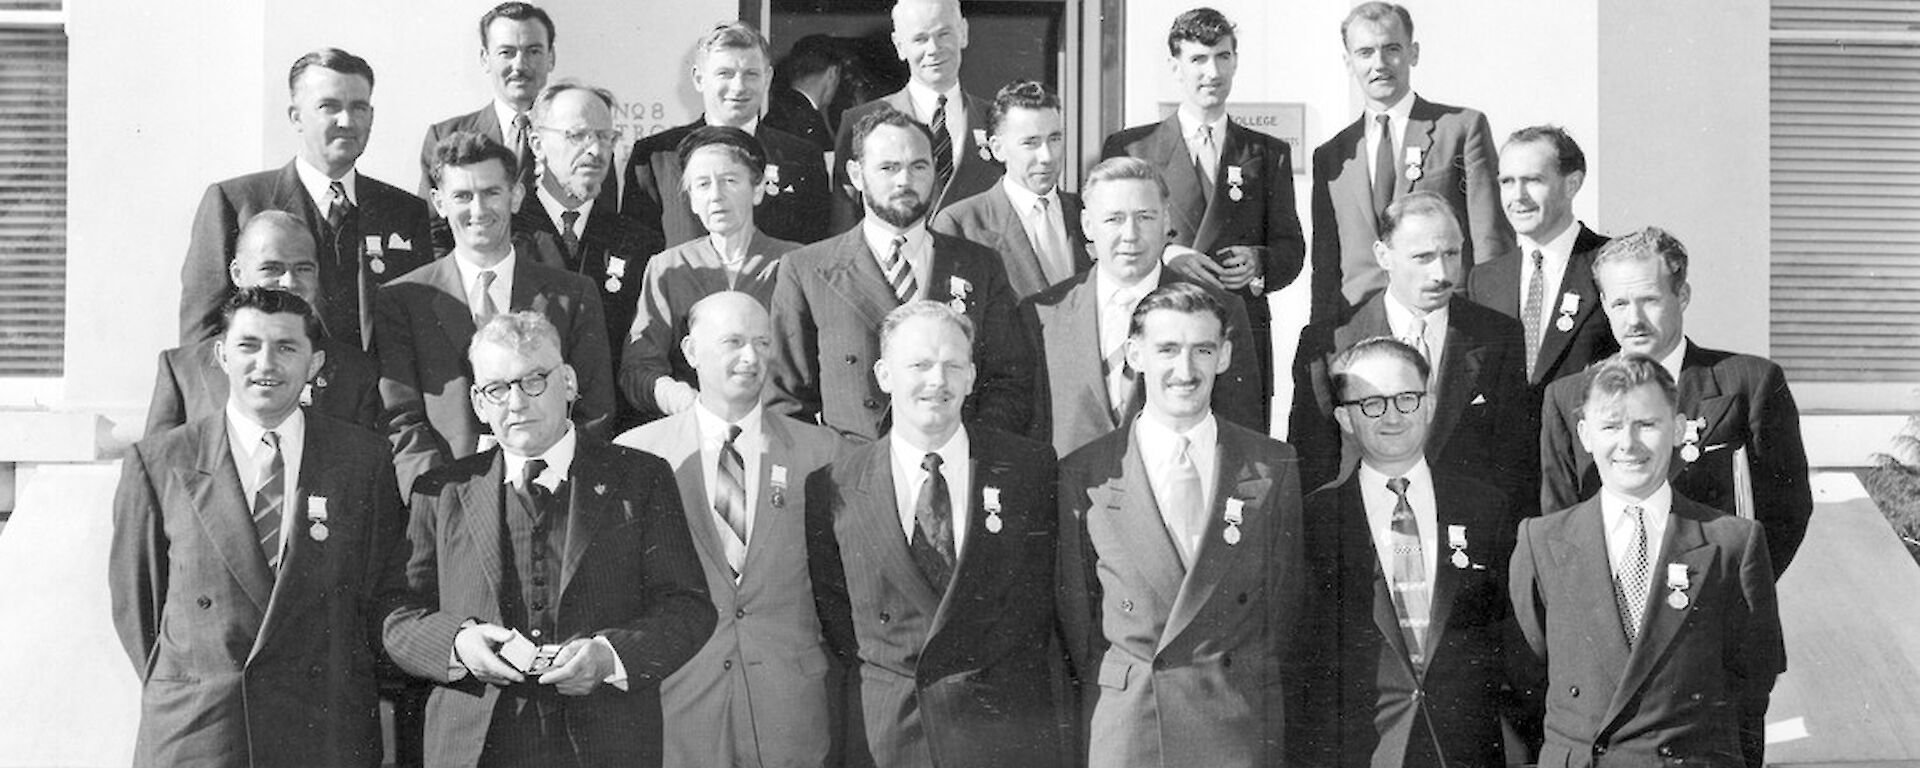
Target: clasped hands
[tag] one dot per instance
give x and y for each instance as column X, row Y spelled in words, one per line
column 1237, row 266
column 581, row 666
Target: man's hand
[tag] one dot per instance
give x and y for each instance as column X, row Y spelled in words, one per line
column 674, row 396
column 1193, row 265
column 581, row 666
column 1241, row 265
column 478, row 646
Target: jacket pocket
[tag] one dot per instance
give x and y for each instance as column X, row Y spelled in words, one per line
column 1114, row 673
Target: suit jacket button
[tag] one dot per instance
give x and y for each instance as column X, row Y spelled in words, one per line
column 852, row 360
column 1243, row 598
column 1160, row 664
column 1666, row 751
column 728, row 664
column 1126, row 605
column 740, row 613
column 872, row 402
column 1573, row 690
column 885, row 617
column 1599, row 749
column 313, row 671
column 204, row 602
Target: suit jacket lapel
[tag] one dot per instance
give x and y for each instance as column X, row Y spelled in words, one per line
column 1070, row 209
column 683, row 452
column 481, row 526
column 1234, row 150
column 872, row 503
column 1582, row 554
column 1355, row 180
column 1187, row 203
column 225, row 513
column 586, row 508
column 1685, row 545
column 1460, row 368
column 304, row 557
column 766, row 505
column 1420, row 125
column 1238, row 479
column 1449, row 511
column 1577, row 280
column 1016, row 250
column 450, row 302
column 856, row 277
column 1359, row 548
column 982, row 565
column 1135, row 517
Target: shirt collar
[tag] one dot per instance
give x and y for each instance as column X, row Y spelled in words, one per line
column 1160, row 439
column 954, row 453
column 292, row 429
column 1105, row 288
column 1398, row 113
column 469, row 272
column 1675, row 358
column 555, row 208
column 505, row 113
column 1190, row 123
column 880, row 239
column 927, row 98
column 1024, row 199
column 317, row 181
column 1418, row 476
column 1556, row 250
column 559, row 458
column 1400, row 316
column 1613, row 505
column 713, row 428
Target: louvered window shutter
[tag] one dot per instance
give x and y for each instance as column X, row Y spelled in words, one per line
column 33, row 191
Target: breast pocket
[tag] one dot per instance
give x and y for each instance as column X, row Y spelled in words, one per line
column 1114, row 673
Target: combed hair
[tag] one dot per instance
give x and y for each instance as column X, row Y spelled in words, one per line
column 1566, row 151
column 736, row 35
column 1185, row 298
column 1416, row 203
column 1650, row 244
column 543, row 103
column 272, row 301
column 329, row 58
column 1623, row 373
column 463, row 148
column 1020, row 94
column 1205, row 26
column 885, row 115
column 1123, row 168
column 1377, row 346
column 928, row 309
column 525, row 333
column 1377, row 13
column 809, row 56
column 736, row 144
column 517, row 12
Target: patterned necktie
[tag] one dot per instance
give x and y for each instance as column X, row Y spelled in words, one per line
column 521, row 147
column 482, row 298
column 1417, row 338
column 337, row 205
column 568, row 237
column 1412, row 590
column 932, row 545
column 899, row 272
column 732, row 489
column 1204, row 162
column 1384, row 173
column 1113, row 336
column 942, row 147
column 1183, row 489
column 270, row 499
column 1631, row 583
column 1530, row 310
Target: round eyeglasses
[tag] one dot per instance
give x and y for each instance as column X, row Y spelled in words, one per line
column 1376, row 406
column 532, row 385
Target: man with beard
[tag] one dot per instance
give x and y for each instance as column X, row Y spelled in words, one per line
column 833, row 295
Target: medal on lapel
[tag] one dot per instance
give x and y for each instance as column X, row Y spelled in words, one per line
column 960, row 288
column 1678, row 582
column 306, row 394
column 1690, row 440
column 1457, row 541
column 980, row 141
column 376, row 255
column 1235, row 179
column 990, row 498
column 1234, row 516
column 1569, row 306
column 616, row 267
column 777, row 477
column 317, row 517
column 1415, row 155
column 772, row 184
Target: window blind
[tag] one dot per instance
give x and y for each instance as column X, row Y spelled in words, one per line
column 33, row 198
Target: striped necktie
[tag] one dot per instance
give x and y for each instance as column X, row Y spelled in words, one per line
column 899, row 272
column 270, row 499
column 942, row 147
column 1412, row 590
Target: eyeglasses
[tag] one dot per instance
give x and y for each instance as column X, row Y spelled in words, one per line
column 1376, row 406
column 581, row 137
column 532, row 385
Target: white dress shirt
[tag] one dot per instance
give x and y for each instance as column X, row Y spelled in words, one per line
column 505, row 113
column 1553, row 266
column 956, row 465
column 1046, row 228
column 1380, row 501
column 502, row 288
column 1159, row 449
column 1192, row 128
column 1655, row 512
column 318, row 184
column 1397, row 116
column 555, row 209
column 1115, row 307
column 752, row 445
column 1400, row 321
column 244, row 438
column 1674, row 358
column 926, row 100
column 918, row 250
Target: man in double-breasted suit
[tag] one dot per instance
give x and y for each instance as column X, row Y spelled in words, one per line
column 1180, row 563
column 931, row 551
column 1231, row 187
column 929, row 36
column 1431, row 147
column 833, row 295
column 1412, row 633
column 1652, row 617
column 756, row 694
column 557, row 546
column 254, row 551
column 366, row 232
column 427, row 316
column 1026, row 218
column 1083, row 386
column 1740, row 449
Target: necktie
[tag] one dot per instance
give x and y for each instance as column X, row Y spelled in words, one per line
column 731, row 501
column 1113, row 336
column 568, row 237
column 932, row 545
column 337, row 205
column 1417, row 338
column 1204, row 161
column 482, row 298
column 529, row 472
column 1385, row 174
column 942, row 147
column 899, row 272
column 1183, row 489
column 270, row 499
column 1047, row 244
column 521, row 149
column 1530, row 310
column 1410, row 587
column 1630, row 584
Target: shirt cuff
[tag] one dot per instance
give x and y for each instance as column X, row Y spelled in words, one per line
column 1175, row 250
column 619, row 677
column 457, row 671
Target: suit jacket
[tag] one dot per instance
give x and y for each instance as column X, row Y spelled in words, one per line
column 796, row 205
column 1458, row 161
column 1699, row 674
column 1178, row 667
column 612, row 254
column 940, row 676
column 240, row 665
column 630, row 575
column 1497, row 285
column 1367, row 704
column 1071, row 405
column 190, row 384
column 424, row 329
column 827, row 308
column 1746, row 404
column 674, row 282
column 973, row 173
column 988, row 218
column 791, row 111
column 487, row 122
column 385, row 237
column 756, row 694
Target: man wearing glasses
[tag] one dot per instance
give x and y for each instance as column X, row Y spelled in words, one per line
column 427, row 316
column 516, row 51
column 1407, row 571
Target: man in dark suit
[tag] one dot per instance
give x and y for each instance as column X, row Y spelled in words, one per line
column 1548, row 283
column 1026, row 218
column 254, row 552
column 1083, row 385
column 804, row 83
column 1411, row 628
column 365, row 232
column 832, row 296
column 516, row 50
column 1740, row 449
column 1440, row 148
column 1653, row 617
column 931, row 551
column 1482, row 419
column 428, row 316
column 928, row 35
column 556, row 545
column 273, row 251
column 1232, row 207
column 1180, row 564
column 730, row 71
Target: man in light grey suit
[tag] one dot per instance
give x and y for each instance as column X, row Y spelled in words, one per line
column 756, row 694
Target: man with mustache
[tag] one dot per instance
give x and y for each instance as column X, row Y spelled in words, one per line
column 517, row 53
column 832, row 296
column 1739, row 450
column 1482, row 422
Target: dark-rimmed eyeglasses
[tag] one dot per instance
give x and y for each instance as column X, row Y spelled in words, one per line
column 1376, row 406
column 532, row 385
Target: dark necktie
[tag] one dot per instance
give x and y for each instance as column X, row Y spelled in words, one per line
column 337, row 205
column 529, row 472
column 522, row 149
column 942, row 146
column 932, row 545
column 270, row 499
column 1530, row 310
column 732, row 489
column 1412, row 590
column 568, row 237
column 899, row 272
column 1384, row 172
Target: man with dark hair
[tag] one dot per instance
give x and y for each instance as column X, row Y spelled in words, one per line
column 929, row 36
column 1180, row 565
column 1739, row 447
column 427, row 316
column 1548, row 282
column 1652, row 617
column 517, row 52
column 1402, row 144
column 364, row 232
column 254, row 553
column 804, row 85
column 832, row 295
column 1231, row 210
column 731, row 69
column 1026, row 218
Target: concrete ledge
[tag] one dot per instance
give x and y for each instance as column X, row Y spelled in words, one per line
column 1836, row 440
column 56, row 437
